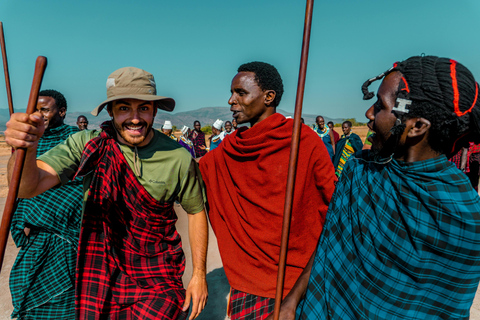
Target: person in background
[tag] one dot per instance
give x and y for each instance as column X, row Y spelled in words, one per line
column 326, row 135
column 82, row 122
column 401, row 239
column 336, row 136
column 167, row 130
column 234, row 124
column 228, row 128
column 185, row 142
column 217, row 134
column 346, row 146
column 198, row 138
column 46, row 228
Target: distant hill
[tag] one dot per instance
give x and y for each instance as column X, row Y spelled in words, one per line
column 206, row 116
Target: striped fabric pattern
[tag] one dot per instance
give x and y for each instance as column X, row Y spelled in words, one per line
column 345, row 147
column 347, row 151
column 131, row 262
column 42, row 278
column 401, row 241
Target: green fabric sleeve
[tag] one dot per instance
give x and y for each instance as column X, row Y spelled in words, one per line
column 192, row 194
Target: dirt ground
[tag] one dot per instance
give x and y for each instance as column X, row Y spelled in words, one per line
column 217, row 282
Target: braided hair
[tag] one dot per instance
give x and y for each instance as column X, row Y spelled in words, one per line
column 442, row 91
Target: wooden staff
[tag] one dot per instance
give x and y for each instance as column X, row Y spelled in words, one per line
column 40, row 66
column 292, row 167
column 5, row 69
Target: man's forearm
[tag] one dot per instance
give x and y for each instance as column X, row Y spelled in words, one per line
column 29, row 177
column 37, row 176
column 198, row 234
column 197, row 290
column 291, row 301
column 298, row 291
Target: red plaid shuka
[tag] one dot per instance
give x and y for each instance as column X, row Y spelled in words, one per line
column 130, row 258
column 246, row 306
column 473, row 148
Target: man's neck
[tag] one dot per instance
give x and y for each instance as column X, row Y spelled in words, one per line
column 56, row 125
column 415, row 152
column 270, row 111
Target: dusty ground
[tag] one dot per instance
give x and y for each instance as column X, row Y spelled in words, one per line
column 217, row 282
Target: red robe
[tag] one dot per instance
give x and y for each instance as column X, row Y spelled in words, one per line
column 246, row 179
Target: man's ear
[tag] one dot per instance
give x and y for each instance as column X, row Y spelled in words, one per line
column 419, row 127
column 62, row 112
column 269, row 97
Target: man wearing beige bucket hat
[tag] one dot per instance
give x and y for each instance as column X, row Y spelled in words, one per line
column 130, row 260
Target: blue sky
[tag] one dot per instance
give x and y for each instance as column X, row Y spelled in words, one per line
column 193, row 48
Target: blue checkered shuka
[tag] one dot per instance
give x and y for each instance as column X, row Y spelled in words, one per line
column 43, row 276
column 401, row 241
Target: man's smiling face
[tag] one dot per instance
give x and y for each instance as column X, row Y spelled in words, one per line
column 133, row 121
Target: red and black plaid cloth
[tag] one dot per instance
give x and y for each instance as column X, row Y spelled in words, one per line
column 130, row 259
column 473, row 148
column 246, row 306
column 198, row 139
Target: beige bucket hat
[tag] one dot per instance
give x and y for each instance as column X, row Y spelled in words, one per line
column 133, row 83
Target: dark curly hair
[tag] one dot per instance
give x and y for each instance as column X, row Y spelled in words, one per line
column 445, row 93
column 60, row 100
column 266, row 76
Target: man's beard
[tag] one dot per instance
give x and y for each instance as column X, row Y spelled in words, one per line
column 136, row 140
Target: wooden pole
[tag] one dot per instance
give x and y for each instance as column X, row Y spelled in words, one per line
column 5, row 69
column 292, row 167
column 40, row 66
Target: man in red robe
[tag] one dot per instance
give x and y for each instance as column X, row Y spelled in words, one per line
column 246, row 183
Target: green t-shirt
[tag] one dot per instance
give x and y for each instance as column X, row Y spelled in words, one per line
column 166, row 169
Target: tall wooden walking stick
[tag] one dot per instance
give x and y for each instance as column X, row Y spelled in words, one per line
column 5, row 69
column 40, row 66
column 292, row 167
